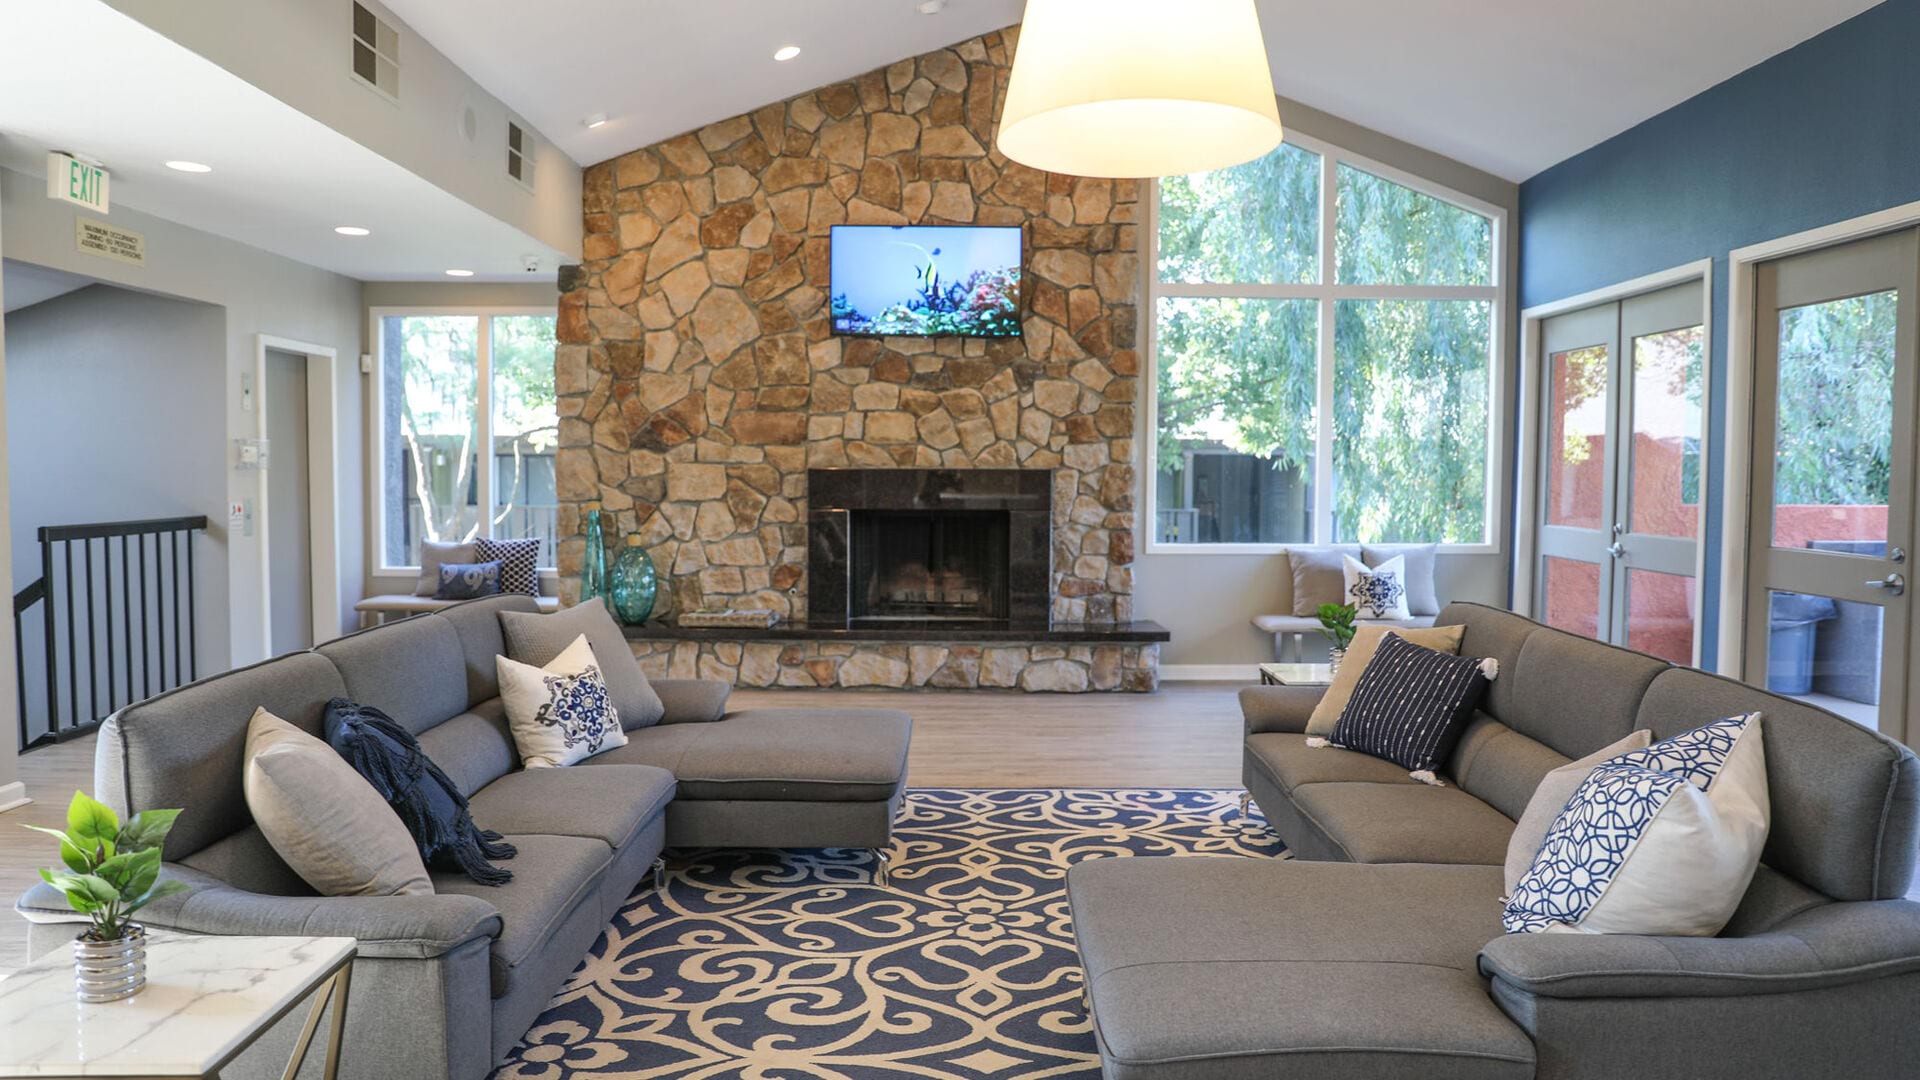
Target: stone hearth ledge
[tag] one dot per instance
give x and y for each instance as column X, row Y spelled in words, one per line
column 850, row 664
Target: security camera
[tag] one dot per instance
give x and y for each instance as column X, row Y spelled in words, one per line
column 531, row 263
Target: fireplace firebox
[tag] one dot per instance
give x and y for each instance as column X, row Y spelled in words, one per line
column 969, row 547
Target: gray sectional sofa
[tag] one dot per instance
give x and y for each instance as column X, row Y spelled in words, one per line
column 1377, row 951
column 446, row 984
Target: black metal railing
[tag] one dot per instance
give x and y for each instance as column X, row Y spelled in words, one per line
column 111, row 629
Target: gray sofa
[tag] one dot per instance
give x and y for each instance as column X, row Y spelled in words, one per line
column 445, row 985
column 1377, row 951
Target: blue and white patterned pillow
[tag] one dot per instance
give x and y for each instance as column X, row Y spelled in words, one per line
column 519, row 563
column 467, row 581
column 1377, row 592
column 1656, row 841
column 561, row 712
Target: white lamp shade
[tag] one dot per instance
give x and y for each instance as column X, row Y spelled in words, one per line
column 1138, row 88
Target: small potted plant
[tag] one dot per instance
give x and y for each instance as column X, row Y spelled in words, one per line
column 111, row 872
column 1336, row 622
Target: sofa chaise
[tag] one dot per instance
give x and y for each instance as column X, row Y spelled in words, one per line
column 1377, row 950
column 445, row 985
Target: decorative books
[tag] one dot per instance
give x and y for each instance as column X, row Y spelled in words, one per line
column 729, row 618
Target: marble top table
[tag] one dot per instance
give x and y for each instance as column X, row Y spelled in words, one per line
column 206, row 1000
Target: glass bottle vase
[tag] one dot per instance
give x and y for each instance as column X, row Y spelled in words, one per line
column 634, row 585
column 593, row 562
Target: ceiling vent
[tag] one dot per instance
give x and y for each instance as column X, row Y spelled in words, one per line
column 376, row 52
column 520, row 152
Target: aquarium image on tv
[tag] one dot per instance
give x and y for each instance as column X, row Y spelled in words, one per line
column 926, row 280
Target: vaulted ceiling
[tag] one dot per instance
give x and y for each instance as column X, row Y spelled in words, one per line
column 1508, row 86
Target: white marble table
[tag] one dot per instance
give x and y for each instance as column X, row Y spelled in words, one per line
column 1296, row 674
column 206, row 1000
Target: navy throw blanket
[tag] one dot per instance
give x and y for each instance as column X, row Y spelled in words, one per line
column 426, row 799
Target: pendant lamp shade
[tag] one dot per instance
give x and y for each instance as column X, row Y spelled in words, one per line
column 1139, row 88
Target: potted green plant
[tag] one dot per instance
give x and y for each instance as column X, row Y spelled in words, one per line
column 112, row 870
column 1336, row 622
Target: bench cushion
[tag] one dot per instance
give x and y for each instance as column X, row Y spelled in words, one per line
column 1289, row 762
column 609, row 804
column 1407, row 823
column 1203, row 968
column 408, row 604
column 799, row 754
column 1301, row 624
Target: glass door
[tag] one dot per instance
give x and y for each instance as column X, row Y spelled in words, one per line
column 1621, row 478
column 1832, row 525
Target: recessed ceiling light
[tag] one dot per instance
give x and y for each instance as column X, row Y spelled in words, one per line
column 459, row 273
column 932, row 7
column 786, row 52
column 596, row 120
column 352, row 230
column 189, row 166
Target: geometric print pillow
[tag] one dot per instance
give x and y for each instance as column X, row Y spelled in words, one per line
column 559, row 713
column 1659, row 841
column 1377, row 592
column 519, row 563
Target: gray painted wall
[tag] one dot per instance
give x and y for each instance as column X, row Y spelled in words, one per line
column 1208, row 600
column 113, row 413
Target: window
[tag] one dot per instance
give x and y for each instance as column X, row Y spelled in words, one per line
column 449, row 383
column 1323, row 356
column 519, row 154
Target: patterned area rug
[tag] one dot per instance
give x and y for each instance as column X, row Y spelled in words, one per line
column 788, row 965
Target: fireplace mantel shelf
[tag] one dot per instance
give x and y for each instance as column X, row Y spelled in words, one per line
column 1136, row 632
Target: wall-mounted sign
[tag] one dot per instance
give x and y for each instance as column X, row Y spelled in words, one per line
column 75, row 181
column 94, row 237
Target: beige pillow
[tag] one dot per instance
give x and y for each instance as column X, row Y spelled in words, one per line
column 1551, row 797
column 1317, row 577
column 1366, row 639
column 324, row 819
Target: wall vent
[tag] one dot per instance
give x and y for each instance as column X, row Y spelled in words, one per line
column 520, row 152
column 376, row 52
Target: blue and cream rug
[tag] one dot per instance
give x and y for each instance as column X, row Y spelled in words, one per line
column 783, row 966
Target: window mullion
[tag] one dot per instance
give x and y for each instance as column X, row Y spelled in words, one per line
column 483, row 418
column 1324, row 358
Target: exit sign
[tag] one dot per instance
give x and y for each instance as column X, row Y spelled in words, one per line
column 75, row 181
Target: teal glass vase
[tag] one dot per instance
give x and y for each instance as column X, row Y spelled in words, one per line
column 635, row 584
column 593, row 564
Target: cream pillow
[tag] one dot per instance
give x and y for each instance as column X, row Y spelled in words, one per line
column 1551, row 797
column 323, row 818
column 1366, row 639
column 562, row 712
column 1377, row 592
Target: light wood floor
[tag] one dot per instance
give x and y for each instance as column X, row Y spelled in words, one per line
column 1186, row 735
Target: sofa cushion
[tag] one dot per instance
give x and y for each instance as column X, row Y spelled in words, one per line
column 1237, row 968
column 1407, row 823
column 1289, row 762
column 413, row 670
column 537, row 639
column 608, row 804
column 473, row 749
column 1498, row 765
column 804, row 754
column 1575, row 694
column 478, row 624
column 552, row 875
column 1495, row 633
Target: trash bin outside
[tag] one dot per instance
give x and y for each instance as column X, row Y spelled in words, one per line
column 1791, row 621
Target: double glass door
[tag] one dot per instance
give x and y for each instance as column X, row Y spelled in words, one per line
column 1621, row 482
column 1831, row 526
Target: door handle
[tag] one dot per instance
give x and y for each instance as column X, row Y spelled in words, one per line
column 1893, row 583
column 1616, row 550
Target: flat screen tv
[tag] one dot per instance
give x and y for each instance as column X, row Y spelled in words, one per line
column 926, row 280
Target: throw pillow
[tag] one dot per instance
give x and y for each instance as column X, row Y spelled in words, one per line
column 559, row 713
column 520, row 563
column 426, row 799
column 468, row 581
column 533, row 638
column 1423, row 598
column 1366, row 641
column 323, row 819
column 1551, row 797
column 1661, row 841
column 1410, row 705
column 1379, row 592
column 432, row 554
column 1316, row 577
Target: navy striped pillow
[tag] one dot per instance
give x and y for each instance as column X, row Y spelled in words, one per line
column 1411, row 704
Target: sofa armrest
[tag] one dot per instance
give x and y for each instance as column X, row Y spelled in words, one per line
column 403, row 927
column 1831, row 945
column 692, row 701
column 1278, row 708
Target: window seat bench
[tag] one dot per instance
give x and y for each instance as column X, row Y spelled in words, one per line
column 378, row 609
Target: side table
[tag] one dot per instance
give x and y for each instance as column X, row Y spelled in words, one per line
column 1296, row 674
column 207, row 999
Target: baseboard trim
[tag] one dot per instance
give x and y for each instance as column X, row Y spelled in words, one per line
column 13, row 796
column 1246, row 673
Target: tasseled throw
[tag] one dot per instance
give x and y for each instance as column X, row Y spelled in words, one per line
column 425, row 798
column 1490, row 667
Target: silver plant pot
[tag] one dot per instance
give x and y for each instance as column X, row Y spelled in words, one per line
column 1334, row 657
column 110, row 970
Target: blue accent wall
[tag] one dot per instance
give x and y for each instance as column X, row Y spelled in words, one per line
column 1826, row 131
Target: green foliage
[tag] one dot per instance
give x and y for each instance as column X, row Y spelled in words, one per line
column 1258, row 222
column 1337, row 623
column 986, row 304
column 1388, row 234
column 1835, row 446
column 111, row 871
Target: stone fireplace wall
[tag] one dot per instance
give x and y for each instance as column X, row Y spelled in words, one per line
column 698, row 380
